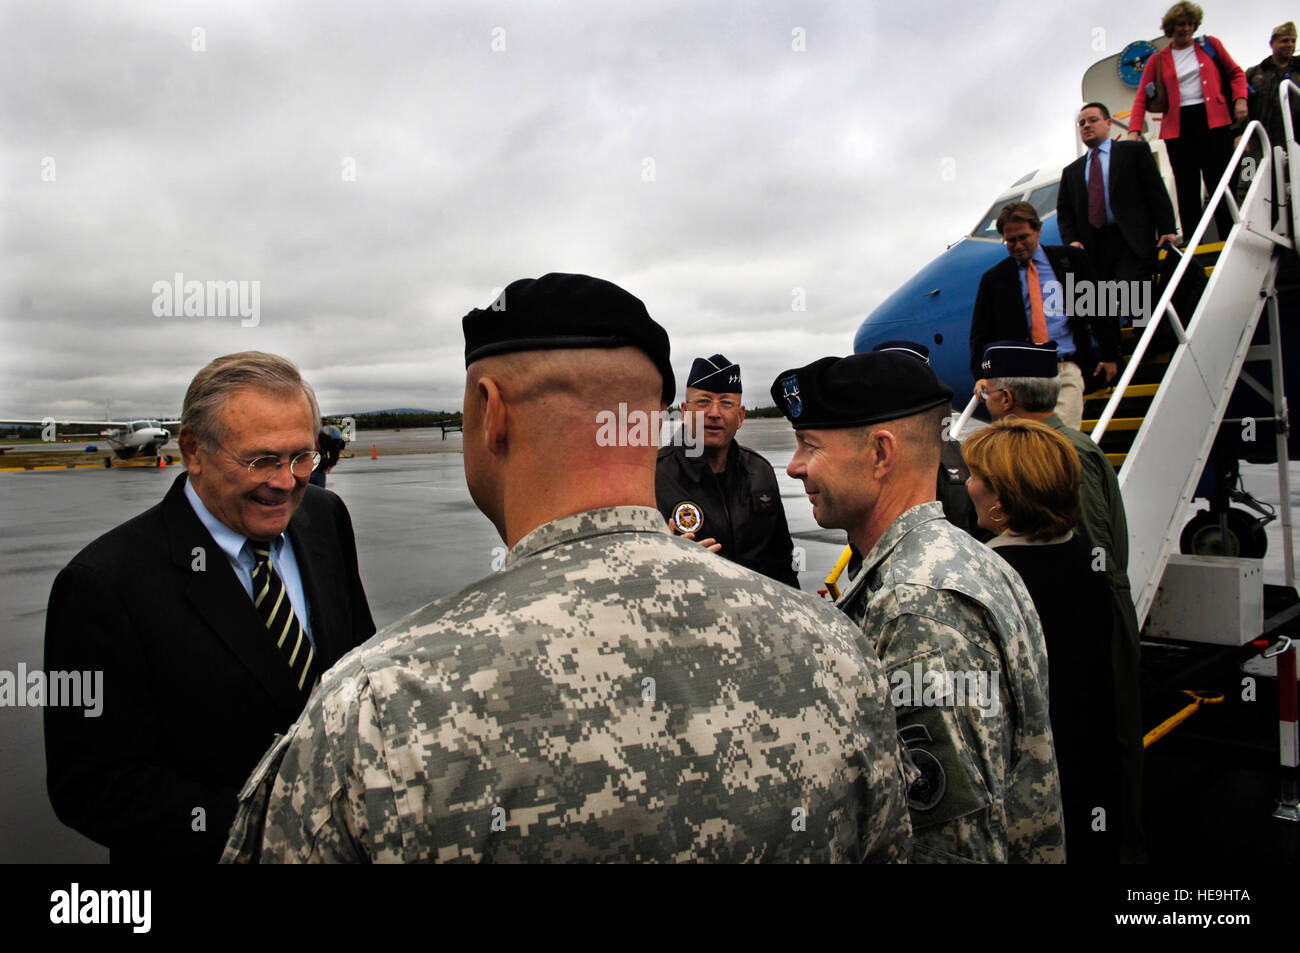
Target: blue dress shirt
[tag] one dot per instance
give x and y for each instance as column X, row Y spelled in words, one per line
column 1053, row 301
column 1105, row 176
column 239, row 551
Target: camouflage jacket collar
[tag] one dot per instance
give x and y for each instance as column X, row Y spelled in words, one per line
column 586, row 525
column 905, row 523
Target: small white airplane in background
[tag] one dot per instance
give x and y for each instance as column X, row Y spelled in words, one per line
column 127, row 439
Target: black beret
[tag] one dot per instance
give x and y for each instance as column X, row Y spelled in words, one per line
column 919, row 351
column 715, row 374
column 568, row 312
column 1020, row 359
column 857, row 390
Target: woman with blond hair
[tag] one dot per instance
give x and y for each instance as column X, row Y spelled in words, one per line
column 1024, row 485
column 1201, row 91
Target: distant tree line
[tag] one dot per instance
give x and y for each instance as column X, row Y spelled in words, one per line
column 22, row 433
column 387, row 421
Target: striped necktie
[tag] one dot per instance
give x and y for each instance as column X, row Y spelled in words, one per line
column 272, row 603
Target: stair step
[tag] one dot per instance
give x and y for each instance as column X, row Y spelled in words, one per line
column 1133, row 390
column 1116, row 423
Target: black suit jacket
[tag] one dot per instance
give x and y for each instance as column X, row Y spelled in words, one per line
column 1138, row 198
column 999, row 313
column 193, row 688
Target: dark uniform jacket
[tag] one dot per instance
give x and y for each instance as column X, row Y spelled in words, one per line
column 1105, row 523
column 999, row 313
column 950, row 490
column 741, row 507
column 1074, row 605
column 1265, row 104
column 194, row 686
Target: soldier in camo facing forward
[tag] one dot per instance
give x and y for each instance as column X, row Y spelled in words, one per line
column 952, row 623
column 615, row 693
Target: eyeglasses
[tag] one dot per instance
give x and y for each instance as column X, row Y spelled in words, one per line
column 265, row 468
column 984, row 392
column 725, row 404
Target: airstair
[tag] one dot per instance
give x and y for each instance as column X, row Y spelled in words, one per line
column 1160, row 425
column 1173, row 440
column 1172, row 404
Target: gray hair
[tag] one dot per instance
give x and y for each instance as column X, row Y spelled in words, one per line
column 1034, row 394
column 214, row 385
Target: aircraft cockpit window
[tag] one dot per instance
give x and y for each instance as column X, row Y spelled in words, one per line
column 137, row 425
column 986, row 228
column 1044, row 199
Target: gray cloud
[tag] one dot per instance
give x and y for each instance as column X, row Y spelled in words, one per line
column 773, row 170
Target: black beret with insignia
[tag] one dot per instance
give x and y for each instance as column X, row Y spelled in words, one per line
column 715, row 374
column 559, row 311
column 857, row 390
column 1020, row 359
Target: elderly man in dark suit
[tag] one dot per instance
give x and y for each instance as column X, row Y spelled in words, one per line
column 1042, row 293
column 1112, row 202
column 211, row 615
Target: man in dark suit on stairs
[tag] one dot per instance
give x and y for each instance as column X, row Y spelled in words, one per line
column 1042, row 293
column 1121, row 219
column 211, row 617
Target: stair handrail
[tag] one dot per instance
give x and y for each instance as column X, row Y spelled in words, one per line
column 1284, row 90
column 955, row 431
column 1254, row 129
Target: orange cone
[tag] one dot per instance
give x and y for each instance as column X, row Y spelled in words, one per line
column 373, row 454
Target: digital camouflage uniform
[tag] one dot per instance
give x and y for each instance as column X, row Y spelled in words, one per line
column 614, row 694
column 931, row 599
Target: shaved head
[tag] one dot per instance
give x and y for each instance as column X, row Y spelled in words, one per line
column 589, row 378
column 532, row 423
column 921, row 437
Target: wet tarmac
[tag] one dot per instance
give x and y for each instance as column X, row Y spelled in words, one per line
column 418, row 533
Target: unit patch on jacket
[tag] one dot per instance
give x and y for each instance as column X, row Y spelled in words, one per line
column 687, row 517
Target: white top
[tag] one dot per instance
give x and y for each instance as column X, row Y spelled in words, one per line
column 1188, row 68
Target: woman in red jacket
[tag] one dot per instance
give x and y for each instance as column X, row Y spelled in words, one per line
column 1197, row 126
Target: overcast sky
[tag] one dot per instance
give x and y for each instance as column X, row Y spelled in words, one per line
column 380, row 168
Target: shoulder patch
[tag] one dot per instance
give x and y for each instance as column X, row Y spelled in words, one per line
column 927, row 790
column 687, row 517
